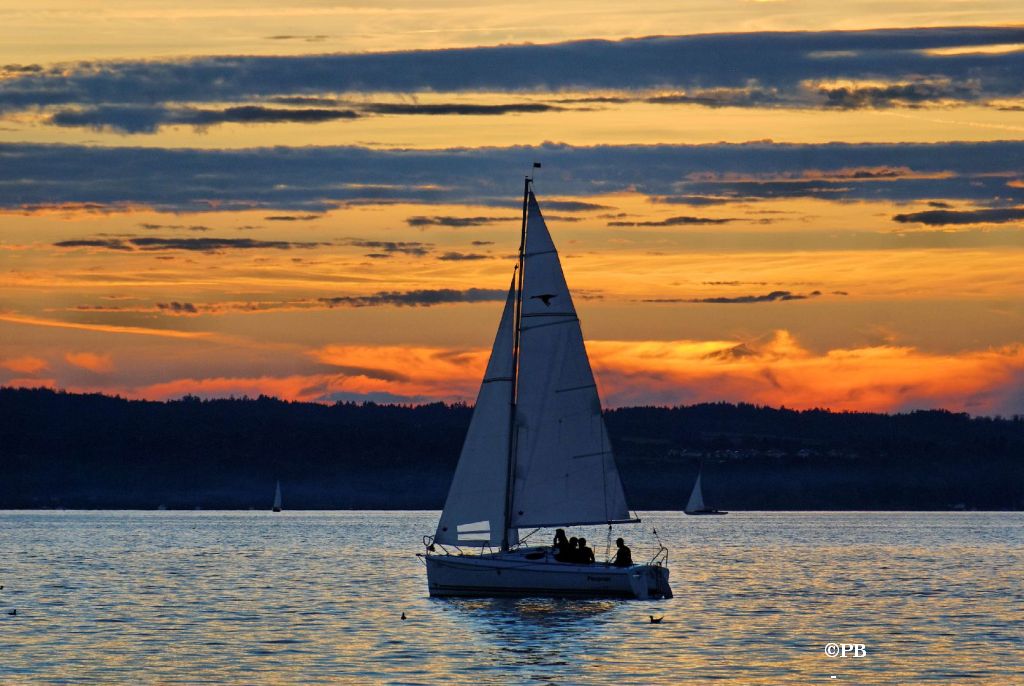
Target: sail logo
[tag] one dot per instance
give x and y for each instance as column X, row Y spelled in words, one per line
column 475, row 531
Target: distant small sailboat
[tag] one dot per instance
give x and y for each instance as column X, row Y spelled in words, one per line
column 277, row 497
column 696, row 506
column 536, row 453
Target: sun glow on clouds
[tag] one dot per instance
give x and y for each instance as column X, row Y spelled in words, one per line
column 778, row 371
column 285, row 218
column 92, row 362
column 781, row 372
column 25, row 364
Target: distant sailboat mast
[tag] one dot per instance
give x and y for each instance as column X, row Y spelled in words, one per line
column 277, row 497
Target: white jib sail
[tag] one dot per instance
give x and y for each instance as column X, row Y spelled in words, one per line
column 565, row 473
column 277, row 496
column 696, row 497
column 475, row 509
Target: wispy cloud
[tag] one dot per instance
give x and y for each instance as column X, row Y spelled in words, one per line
column 93, row 362
column 198, row 228
column 24, row 364
column 574, row 206
column 292, row 218
column 458, row 108
column 946, row 217
column 774, row 296
column 150, row 118
column 147, row 119
column 175, row 307
column 418, row 298
column 456, row 222
column 673, row 221
column 454, row 256
column 106, row 328
column 387, row 248
column 191, row 244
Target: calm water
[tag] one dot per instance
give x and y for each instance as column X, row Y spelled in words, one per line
column 246, row 597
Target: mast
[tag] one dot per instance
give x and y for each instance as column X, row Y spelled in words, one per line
column 510, row 481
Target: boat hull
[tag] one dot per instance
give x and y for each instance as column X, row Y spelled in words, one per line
column 518, row 574
column 706, row 512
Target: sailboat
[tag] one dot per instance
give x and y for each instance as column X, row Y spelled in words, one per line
column 277, row 497
column 536, row 454
column 696, row 506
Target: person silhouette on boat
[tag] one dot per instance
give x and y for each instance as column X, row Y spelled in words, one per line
column 584, row 555
column 560, row 543
column 569, row 552
column 623, row 556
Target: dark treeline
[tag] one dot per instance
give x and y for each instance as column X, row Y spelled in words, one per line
column 94, row 451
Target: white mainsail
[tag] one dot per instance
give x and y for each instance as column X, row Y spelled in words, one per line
column 565, row 473
column 475, row 509
column 696, row 502
column 277, row 497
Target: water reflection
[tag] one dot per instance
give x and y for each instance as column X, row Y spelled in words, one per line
column 175, row 597
column 534, row 631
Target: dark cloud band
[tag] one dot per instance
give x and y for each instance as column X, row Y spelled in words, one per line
column 894, row 66
column 306, row 180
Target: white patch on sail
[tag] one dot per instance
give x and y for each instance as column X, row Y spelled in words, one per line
column 474, row 527
column 476, row 531
column 478, row 489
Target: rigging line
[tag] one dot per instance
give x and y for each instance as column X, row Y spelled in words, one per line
column 523, row 539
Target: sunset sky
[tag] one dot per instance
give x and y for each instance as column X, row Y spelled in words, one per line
column 782, row 202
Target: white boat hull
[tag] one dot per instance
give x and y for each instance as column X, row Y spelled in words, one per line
column 516, row 574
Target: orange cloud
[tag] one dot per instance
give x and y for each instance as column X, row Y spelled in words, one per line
column 26, row 364
column 781, row 372
column 305, row 387
column 31, row 383
column 93, row 362
column 108, row 328
column 776, row 372
column 443, row 372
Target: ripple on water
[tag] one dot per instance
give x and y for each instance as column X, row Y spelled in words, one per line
column 242, row 597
